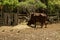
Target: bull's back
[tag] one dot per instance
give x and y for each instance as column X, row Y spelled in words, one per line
column 39, row 17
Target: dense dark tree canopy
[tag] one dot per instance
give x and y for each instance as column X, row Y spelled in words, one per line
column 31, row 5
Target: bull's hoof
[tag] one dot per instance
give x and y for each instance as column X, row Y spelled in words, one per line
column 41, row 27
column 45, row 27
column 34, row 27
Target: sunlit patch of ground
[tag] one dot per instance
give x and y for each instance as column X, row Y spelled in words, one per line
column 24, row 32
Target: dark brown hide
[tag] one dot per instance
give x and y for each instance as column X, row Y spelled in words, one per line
column 38, row 17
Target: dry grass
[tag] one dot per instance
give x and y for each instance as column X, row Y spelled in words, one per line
column 23, row 32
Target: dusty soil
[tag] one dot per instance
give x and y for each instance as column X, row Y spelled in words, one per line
column 23, row 32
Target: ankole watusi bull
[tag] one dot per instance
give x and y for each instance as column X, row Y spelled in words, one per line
column 38, row 17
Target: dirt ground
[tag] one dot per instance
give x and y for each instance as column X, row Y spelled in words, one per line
column 23, row 32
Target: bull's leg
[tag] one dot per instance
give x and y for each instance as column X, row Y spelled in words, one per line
column 29, row 23
column 35, row 25
column 41, row 25
column 46, row 24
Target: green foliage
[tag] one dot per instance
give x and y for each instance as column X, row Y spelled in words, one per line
column 9, row 5
column 10, row 2
column 37, row 3
column 0, row 3
column 40, row 5
column 30, row 5
column 23, row 6
column 53, row 6
column 31, row 1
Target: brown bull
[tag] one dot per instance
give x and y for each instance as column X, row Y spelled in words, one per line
column 38, row 17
